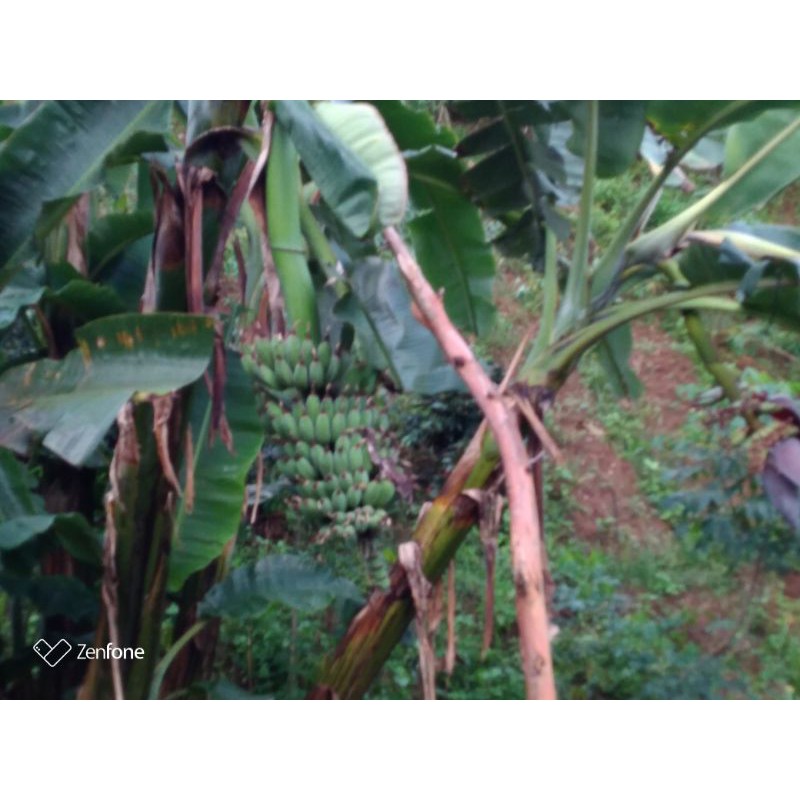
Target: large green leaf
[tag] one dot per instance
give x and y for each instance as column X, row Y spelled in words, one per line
column 620, row 133
column 413, row 130
column 449, row 240
column 292, row 580
column 517, row 175
column 73, row 402
column 111, row 234
column 119, row 249
column 379, row 308
column 17, row 531
column 769, row 177
column 22, row 515
column 661, row 242
column 362, row 129
column 220, row 477
column 12, row 115
column 345, row 182
column 678, row 120
column 23, row 290
column 57, row 152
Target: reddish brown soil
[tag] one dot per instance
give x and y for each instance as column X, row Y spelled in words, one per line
column 609, row 507
column 613, row 513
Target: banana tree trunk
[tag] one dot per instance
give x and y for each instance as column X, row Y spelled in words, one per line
column 375, row 631
column 381, row 623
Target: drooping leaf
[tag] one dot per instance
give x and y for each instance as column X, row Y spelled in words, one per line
column 449, row 240
column 74, row 401
column 362, row 129
column 765, row 258
column 757, row 240
column 614, row 352
column 85, row 299
column 57, row 152
column 345, row 182
column 517, row 176
column 379, row 308
column 220, row 477
column 413, row 130
column 493, row 116
column 292, row 580
column 620, row 131
column 718, row 255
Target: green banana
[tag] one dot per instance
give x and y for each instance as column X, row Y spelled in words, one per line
column 324, row 353
column 316, row 374
column 300, row 376
column 338, row 425
column 284, row 374
column 264, row 350
column 305, row 429
column 305, row 469
column 339, row 501
column 313, row 405
column 318, row 458
column 353, row 496
column 290, row 348
column 267, row 376
column 287, row 426
column 307, row 352
column 333, row 370
column 323, row 429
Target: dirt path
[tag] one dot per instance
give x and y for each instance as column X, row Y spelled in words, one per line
column 610, row 508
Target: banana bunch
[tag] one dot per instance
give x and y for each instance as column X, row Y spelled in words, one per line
column 349, row 524
column 291, row 367
column 330, row 430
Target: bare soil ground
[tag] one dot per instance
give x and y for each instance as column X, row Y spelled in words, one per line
column 609, row 505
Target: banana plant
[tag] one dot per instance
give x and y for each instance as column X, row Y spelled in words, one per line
column 112, row 274
column 513, row 173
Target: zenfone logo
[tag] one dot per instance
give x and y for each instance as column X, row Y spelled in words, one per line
column 52, row 655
